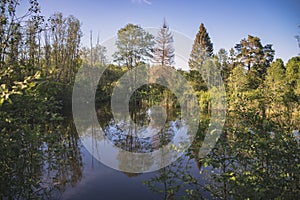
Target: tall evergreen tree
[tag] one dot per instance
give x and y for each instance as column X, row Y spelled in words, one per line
column 202, row 48
column 251, row 52
column 164, row 51
column 255, row 57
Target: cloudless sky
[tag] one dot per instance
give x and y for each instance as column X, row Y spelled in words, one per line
column 227, row 21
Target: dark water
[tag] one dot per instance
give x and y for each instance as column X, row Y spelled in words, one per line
column 101, row 182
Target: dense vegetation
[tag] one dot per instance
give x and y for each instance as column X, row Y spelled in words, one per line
column 257, row 155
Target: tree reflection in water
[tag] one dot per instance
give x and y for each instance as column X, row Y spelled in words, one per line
column 250, row 160
column 180, row 179
column 40, row 163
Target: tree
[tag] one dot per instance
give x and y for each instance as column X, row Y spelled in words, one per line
column 255, row 57
column 237, row 80
column 66, row 36
column 276, row 88
column 293, row 80
column 164, row 51
column 31, row 45
column 251, row 52
column 15, row 75
column 11, row 28
column 223, row 59
column 202, row 48
column 73, row 40
column 98, row 55
column 275, row 79
column 196, row 80
column 293, row 71
column 222, row 56
column 237, row 83
column 134, row 46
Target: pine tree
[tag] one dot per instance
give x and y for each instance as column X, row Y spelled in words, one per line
column 250, row 52
column 164, row 52
column 202, row 48
column 255, row 57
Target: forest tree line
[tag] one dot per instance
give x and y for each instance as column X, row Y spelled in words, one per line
column 39, row 59
column 35, row 50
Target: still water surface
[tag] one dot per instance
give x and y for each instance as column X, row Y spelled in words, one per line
column 101, row 182
column 249, row 162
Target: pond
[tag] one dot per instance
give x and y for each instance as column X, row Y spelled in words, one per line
column 101, row 181
column 60, row 165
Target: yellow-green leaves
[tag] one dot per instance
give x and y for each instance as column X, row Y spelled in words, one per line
column 17, row 87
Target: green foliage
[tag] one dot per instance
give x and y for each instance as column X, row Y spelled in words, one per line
column 196, row 80
column 134, row 46
column 33, row 143
column 202, row 48
column 30, row 126
column 204, row 101
column 223, row 59
column 293, row 71
column 255, row 158
column 251, row 52
column 63, row 60
column 108, row 82
column 255, row 57
column 238, row 81
column 251, row 163
column 276, row 88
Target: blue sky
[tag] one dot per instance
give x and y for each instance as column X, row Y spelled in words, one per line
column 227, row 22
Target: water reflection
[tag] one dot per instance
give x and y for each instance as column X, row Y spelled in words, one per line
column 40, row 162
column 181, row 179
column 146, row 134
column 149, row 137
column 129, row 91
column 249, row 161
column 253, row 160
